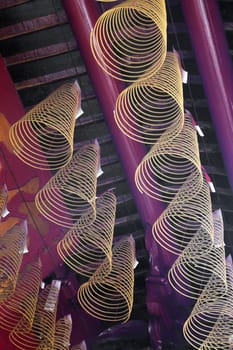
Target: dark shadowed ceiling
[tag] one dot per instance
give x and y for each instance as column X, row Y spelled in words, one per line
column 41, row 53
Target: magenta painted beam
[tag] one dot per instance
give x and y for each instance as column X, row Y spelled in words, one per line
column 215, row 66
column 82, row 15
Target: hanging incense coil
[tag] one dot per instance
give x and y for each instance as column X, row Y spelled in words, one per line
column 21, row 304
column 208, row 309
column 220, row 338
column 83, row 249
column 131, row 38
column 70, row 194
column 3, row 202
column 183, row 217
column 149, row 107
column 43, row 329
column 43, row 138
column 198, row 261
column 62, row 333
column 169, row 163
column 12, row 246
column 110, row 297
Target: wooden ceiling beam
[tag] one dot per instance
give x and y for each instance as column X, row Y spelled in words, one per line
column 33, row 25
column 49, row 78
column 41, row 52
column 4, row 4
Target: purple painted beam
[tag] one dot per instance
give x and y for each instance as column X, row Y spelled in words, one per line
column 82, row 15
column 215, row 66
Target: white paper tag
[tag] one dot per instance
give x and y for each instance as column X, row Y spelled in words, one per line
column 194, row 123
column 5, row 211
column 199, row 131
column 68, row 318
column 208, row 179
column 218, row 229
column 184, row 73
column 53, row 296
column 79, row 111
column 99, row 170
column 24, row 227
column 211, row 186
column 229, row 261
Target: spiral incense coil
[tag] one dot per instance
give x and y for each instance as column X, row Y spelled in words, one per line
column 3, row 202
column 195, row 265
column 220, row 338
column 70, row 194
column 208, row 308
column 169, row 163
column 110, row 297
column 12, row 246
column 149, row 107
column 131, row 38
column 43, row 329
column 183, row 217
column 43, row 138
column 62, row 333
column 21, row 304
column 83, row 249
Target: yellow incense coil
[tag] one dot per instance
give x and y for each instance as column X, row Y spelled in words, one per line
column 131, row 38
column 195, row 265
column 169, row 163
column 83, row 249
column 62, row 333
column 70, row 194
column 21, row 304
column 41, row 334
column 43, row 138
column 151, row 106
column 12, row 246
column 183, row 217
column 220, row 338
column 110, row 297
column 208, row 309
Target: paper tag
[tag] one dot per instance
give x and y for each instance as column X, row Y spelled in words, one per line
column 136, row 262
column 24, row 227
column 83, row 345
column 194, row 123
column 5, row 211
column 99, row 170
column 229, row 261
column 199, row 131
column 218, row 229
column 208, row 179
column 42, row 285
column 79, row 111
column 53, row 296
column 184, row 73
column 68, row 318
